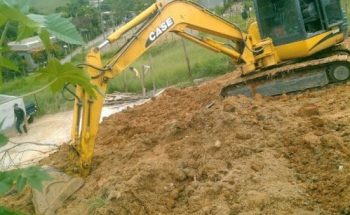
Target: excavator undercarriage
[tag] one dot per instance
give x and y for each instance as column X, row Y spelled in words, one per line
column 319, row 70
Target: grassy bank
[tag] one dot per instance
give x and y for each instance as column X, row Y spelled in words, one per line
column 45, row 100
column 168, row 65
column 47, row 6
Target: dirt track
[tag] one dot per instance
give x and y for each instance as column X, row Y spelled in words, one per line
column 172, row 155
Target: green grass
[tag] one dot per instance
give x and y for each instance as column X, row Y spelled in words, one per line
column 348, row 11
column 169, row 66
column 47, row 6
column 46, row 101
column 343, row 2
column 98, row 202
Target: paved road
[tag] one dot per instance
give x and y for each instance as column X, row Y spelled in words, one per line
column 93, row 43
column 45, row 136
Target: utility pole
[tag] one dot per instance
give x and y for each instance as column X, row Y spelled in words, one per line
column 187, row 60
column 101, row 19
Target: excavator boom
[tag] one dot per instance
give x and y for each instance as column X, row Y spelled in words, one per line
column 307, row 36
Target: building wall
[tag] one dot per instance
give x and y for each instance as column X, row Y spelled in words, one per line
column 94, row 3
column 31, row 65
column 211, row 3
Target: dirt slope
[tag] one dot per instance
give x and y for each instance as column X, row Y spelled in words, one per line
column 283, row 155
column 173, row 155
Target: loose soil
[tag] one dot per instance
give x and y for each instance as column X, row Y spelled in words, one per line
column 175, row 155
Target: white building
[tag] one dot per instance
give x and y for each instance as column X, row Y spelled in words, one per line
column 95, row 3
column 211, row 3
column 25, row 47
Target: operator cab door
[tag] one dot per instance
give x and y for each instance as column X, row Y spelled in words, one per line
column 288, row 21
column 334, row 14
column 279, row 20
column 322, row 15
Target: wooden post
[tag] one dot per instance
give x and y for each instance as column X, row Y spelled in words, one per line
column 36, row 101
column 152, row 74
column 124, row 80
column 143, row 81
column 187, row 60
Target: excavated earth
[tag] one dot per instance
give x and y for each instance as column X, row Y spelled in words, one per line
column 177, row 154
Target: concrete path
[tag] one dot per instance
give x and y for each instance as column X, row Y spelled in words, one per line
column 45, row 136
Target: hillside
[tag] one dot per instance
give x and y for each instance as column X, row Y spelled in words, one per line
column 174, row 155
column 47, row 6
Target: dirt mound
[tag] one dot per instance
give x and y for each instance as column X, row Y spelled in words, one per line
column 179, row 155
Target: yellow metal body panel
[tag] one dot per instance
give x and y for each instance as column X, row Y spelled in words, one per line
column 87, row 112
column 308, row 47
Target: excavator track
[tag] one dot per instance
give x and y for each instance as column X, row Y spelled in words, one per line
column 330, row 66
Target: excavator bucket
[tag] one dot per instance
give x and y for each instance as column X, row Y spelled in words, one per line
column 54, row 193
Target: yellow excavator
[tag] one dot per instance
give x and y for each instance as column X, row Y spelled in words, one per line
column 293, row 45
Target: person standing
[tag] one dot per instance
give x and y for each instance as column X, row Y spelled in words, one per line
column 19, row 117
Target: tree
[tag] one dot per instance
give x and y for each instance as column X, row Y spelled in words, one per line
column 56, row 74
column 42, row 25
column 120, row 8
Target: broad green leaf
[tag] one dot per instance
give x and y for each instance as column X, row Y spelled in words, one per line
column 61, row 74
column 21, row 182
column 3, row 140
column 24, row 32
column 4, row 62
column 45, row 38
column 59, row 27
column 3, row 20
column 6, row 211
column 42, row 176
column 37, row 172
column 41, row 19
column 30, row 171
column 11, row 174
column 21, row 5
column 5, row 185
column 35, row 183
column 2, row 122
column 5, row 49
column 15, row 15
column 34, row 176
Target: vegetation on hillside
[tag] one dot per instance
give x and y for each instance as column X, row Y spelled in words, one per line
column 55, row 75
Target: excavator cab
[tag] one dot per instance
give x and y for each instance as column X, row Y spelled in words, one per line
column 288, row 21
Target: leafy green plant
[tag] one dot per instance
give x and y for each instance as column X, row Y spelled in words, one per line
column 98, row 202
column 6, row 211
column 55, row 74
column 18, row 178
column 3, row 138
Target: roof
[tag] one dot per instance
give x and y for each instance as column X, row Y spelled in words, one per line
column 28, row 44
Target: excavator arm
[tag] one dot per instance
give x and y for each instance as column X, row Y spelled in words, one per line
column 179, row 17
